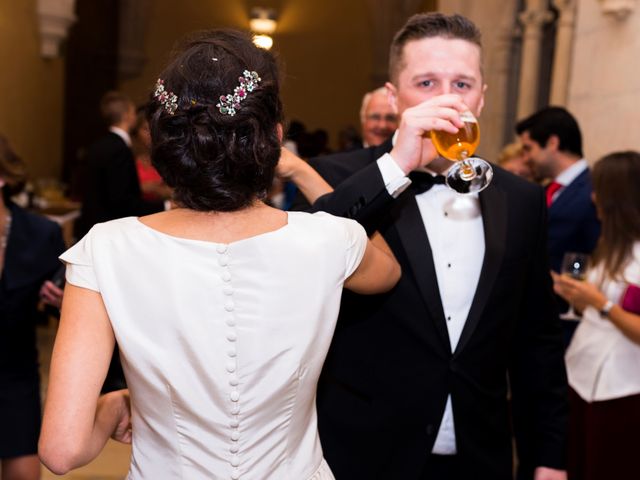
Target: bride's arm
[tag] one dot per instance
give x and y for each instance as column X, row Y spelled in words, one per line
column 77, row 423
column 378, row 271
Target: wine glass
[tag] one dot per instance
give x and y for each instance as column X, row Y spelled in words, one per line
column 575, row 265
column 469, row 174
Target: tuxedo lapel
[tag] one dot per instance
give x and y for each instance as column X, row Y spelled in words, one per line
column 415, row 241
column 494, row 220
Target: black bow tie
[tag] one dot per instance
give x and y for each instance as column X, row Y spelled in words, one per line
column 423, row 181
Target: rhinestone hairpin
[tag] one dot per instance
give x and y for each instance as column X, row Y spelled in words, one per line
column 248, row 83
column 167, row 99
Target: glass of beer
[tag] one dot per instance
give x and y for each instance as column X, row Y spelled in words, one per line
column 470, row 174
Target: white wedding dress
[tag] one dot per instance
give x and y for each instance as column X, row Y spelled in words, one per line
column 222, row 344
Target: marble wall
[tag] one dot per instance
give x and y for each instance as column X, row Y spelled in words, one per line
column 604, row 87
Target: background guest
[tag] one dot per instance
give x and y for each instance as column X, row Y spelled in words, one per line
column 29, row 247
column 604, row 355
column 378, row 119
column 112, row 186
column 151, row 183
column 513, row 159
column 552, row 142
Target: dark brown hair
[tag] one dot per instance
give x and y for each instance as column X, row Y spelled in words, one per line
column 114, row 106
column 617, row 197
column 12, row 170
column 215, row 161
column 553, row 121
column 428, row 25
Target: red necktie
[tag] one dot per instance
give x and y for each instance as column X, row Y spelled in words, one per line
column 552, row 188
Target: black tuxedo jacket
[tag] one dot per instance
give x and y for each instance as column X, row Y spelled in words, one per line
column 573, row 223
column 390, row 368
column 112, row 186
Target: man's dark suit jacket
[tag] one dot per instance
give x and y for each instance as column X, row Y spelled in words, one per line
column 573, row 223
column 112, row 187
column 389, row 371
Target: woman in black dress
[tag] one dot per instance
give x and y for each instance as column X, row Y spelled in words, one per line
column 29, row 249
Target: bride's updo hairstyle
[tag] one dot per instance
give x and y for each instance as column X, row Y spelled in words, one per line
column 217, row 154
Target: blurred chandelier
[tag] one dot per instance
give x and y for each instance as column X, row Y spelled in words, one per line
column 262, row 22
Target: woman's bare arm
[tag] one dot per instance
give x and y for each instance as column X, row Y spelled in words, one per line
column 76, row 423
column 583, row 294
column 378, row 272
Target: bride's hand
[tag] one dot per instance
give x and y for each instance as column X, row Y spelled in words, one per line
column 288, row 164
column 120, row 402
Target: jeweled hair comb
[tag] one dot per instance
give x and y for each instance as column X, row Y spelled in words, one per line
column 167, row 99
column 231, row 102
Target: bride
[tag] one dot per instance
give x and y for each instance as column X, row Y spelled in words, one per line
column 223, row 308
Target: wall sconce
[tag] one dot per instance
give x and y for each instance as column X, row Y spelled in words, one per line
column 262, row 22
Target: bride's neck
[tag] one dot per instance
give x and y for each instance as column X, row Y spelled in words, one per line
column 257, row 207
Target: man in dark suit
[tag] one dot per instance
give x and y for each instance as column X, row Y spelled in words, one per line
column 415, row 384
column 552, row 142
column 112, row 185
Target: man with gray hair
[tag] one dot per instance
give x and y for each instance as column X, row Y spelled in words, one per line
column 377, row 117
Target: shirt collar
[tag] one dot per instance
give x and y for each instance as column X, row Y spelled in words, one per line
column 570, row 174
column 126, row 138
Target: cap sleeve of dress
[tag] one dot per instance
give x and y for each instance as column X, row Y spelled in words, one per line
column 79, row 261
column 356, row 245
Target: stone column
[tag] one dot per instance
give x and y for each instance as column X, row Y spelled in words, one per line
column 563, row 51
column 533, row 18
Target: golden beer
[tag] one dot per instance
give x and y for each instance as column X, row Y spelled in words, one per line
column 460, row 145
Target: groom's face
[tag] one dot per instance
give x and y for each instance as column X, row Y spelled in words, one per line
column 435, row 66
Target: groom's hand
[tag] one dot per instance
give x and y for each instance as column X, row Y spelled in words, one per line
column 546, row 473
column 412, row 148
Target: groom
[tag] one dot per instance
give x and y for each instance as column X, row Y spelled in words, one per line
column 417, row 381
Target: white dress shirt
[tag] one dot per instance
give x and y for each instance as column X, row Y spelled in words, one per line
column 454, row 227
column 126, row 138
column 602, row 363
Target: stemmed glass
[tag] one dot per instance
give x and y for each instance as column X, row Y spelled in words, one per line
column 469, row 174
column 575, row 265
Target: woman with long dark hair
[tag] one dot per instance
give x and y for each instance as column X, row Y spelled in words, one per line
column 603, row 359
